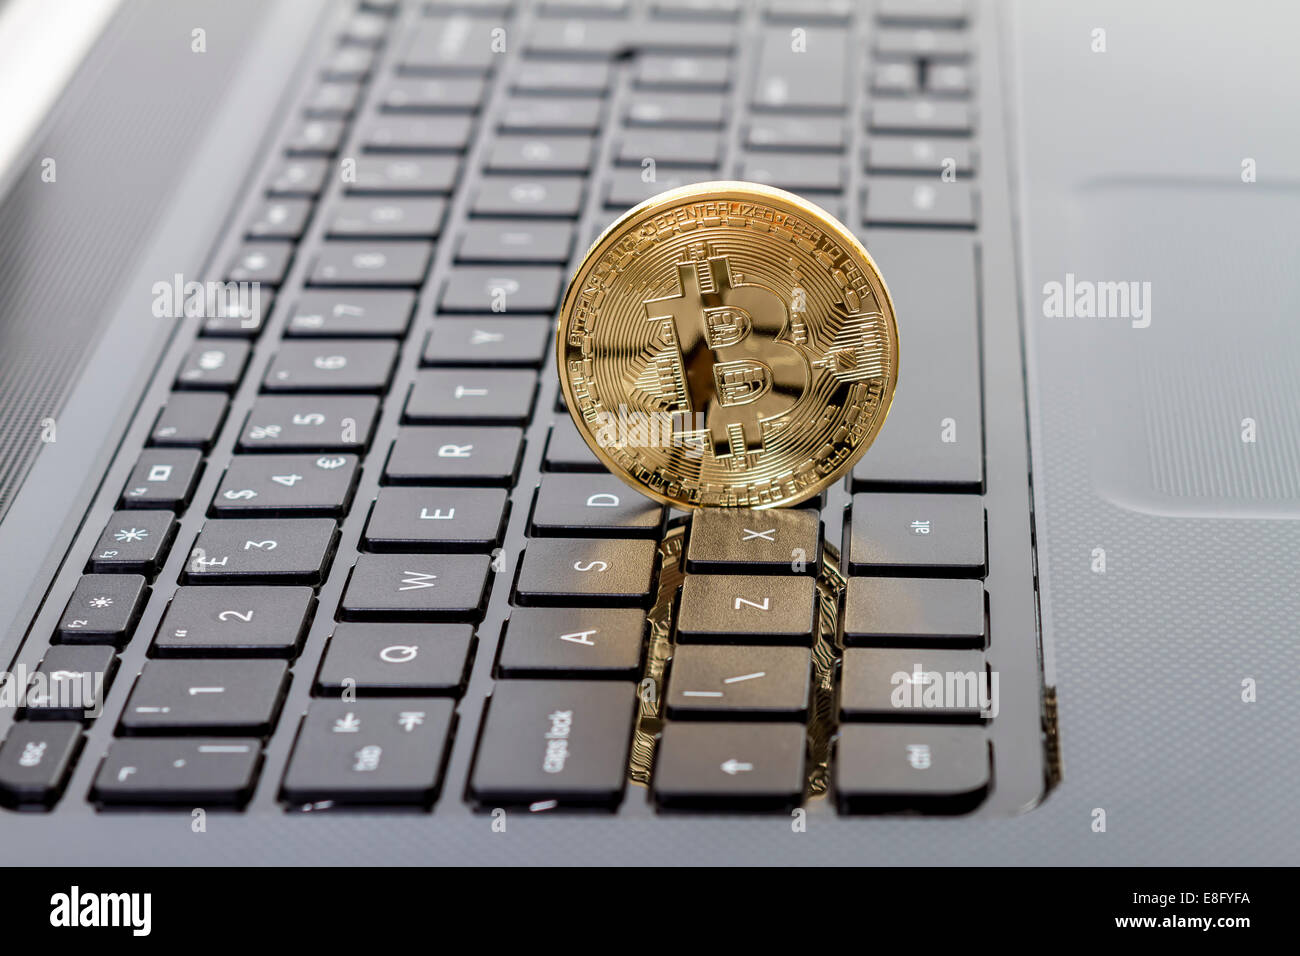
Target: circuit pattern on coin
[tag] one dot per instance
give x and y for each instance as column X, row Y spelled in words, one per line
column 728, row 345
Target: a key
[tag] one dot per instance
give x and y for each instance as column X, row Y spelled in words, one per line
column 800, row 172
column 808, row 77
column 919, row 535
column 235, row 622
column 740, row 541
column 572, row 642
column 565, row 78
column 880, row 768
column 463, row 454
column 920, row 116
column 203, row 772
column 684, row 110
column 924, row 43
column 920, row 154
column 309, row 423
column 252, row 550
column 339, row 365
column 372, row 751
column 298, row 177
column 288, row 485
column 901, row 78
column 805, row 133
column 490, row 396
column 35, row 760
column 554, row 744
column 436, row 519
column 516, row 241
column 263, row 262
column 203, row 696
column 396, row 659
column 886, row 684
column 394, row 218
column 371, row 263
column 332, row 100
column 566, row 451
column 352, row 312
column 432, row 95
column 540, row 154
column 213, row 363
column 455, row 44
column 747, row 609
column 315, row 137
column 587, row 572
column 510, row 196
column 416, row 587
column 134, row 542
column 162, row 478
column 730, row 766
column 694, row 73
column 416, row 134
column 933, row 440
column 505, row 288
column 683, row 148
column 103, row 609
column 538, row 114
column 70, row 683
column 189, row 420
column 404, row 175
column 279, row 219
column 739, row 683
column 486, row 341
column 903, row 202
column 914, row 612
column 595, row 506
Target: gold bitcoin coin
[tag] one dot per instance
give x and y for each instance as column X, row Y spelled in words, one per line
column 728, row 345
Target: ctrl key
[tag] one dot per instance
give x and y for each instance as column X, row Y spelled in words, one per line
column 35, row 760
column 207, row 772
column 549, row 744
column 888, row 768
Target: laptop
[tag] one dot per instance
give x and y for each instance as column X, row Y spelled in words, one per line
column 295, row 526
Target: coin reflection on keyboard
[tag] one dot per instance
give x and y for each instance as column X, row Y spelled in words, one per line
column 728, row 344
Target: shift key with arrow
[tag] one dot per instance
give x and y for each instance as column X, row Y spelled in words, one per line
column 730, row 766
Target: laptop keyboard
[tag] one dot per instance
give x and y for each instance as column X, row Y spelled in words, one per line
column 363, row 533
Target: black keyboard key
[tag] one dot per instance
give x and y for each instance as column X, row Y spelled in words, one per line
column 507, row 288
column 914, row 612
column 682, row 148
column 927, row 44
column 456, row 45
column 162, row 478
column 206, row 772
column 741, row 541
column 516, row 241
column 920, row 116
column 279, row 219
column 397, row 133
column 566, row 451
column 394, row 218
column 933, row 13
column 627, row 188
column 797, row 132
column 189, row 420
column 687, row 73
column 888, row 684
column 436, row 519
column 573, row 642
column 540, row 154
column 370, row 752
column 730, row 766
column 372, row 263
column 309, row 423
column 883, row 768
column 747, row 609
column 301, row 177
column 900, row 202
column 809, row 77
column 134, row 542
column 551, row 744
column 495, row 396
column 352, row 312
column 677, row 110
column 902, row 78
column 441, row 95
column 262, row 261
column 252, row 550
column 288, row 485
column 348, row 63
column 548, row 115
column 396, row 659
column 488, row 341
column 213, row 363
column 235, row 622
column 920, row 154
column 948, row 79
column 739, row 683
column 416, row 587
column 338, row 365
column 70, row 683
column 552, row 196
column 332, row 100
column 798, row 172
column 200, row 696
column 103, row 609
column 455, row 455
column 404, row 175
column 594, row 505
column 316, row 137
column 566, row 78
column 239, row 316
column 587, row 572
column 918, row 535
column 35, row 761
